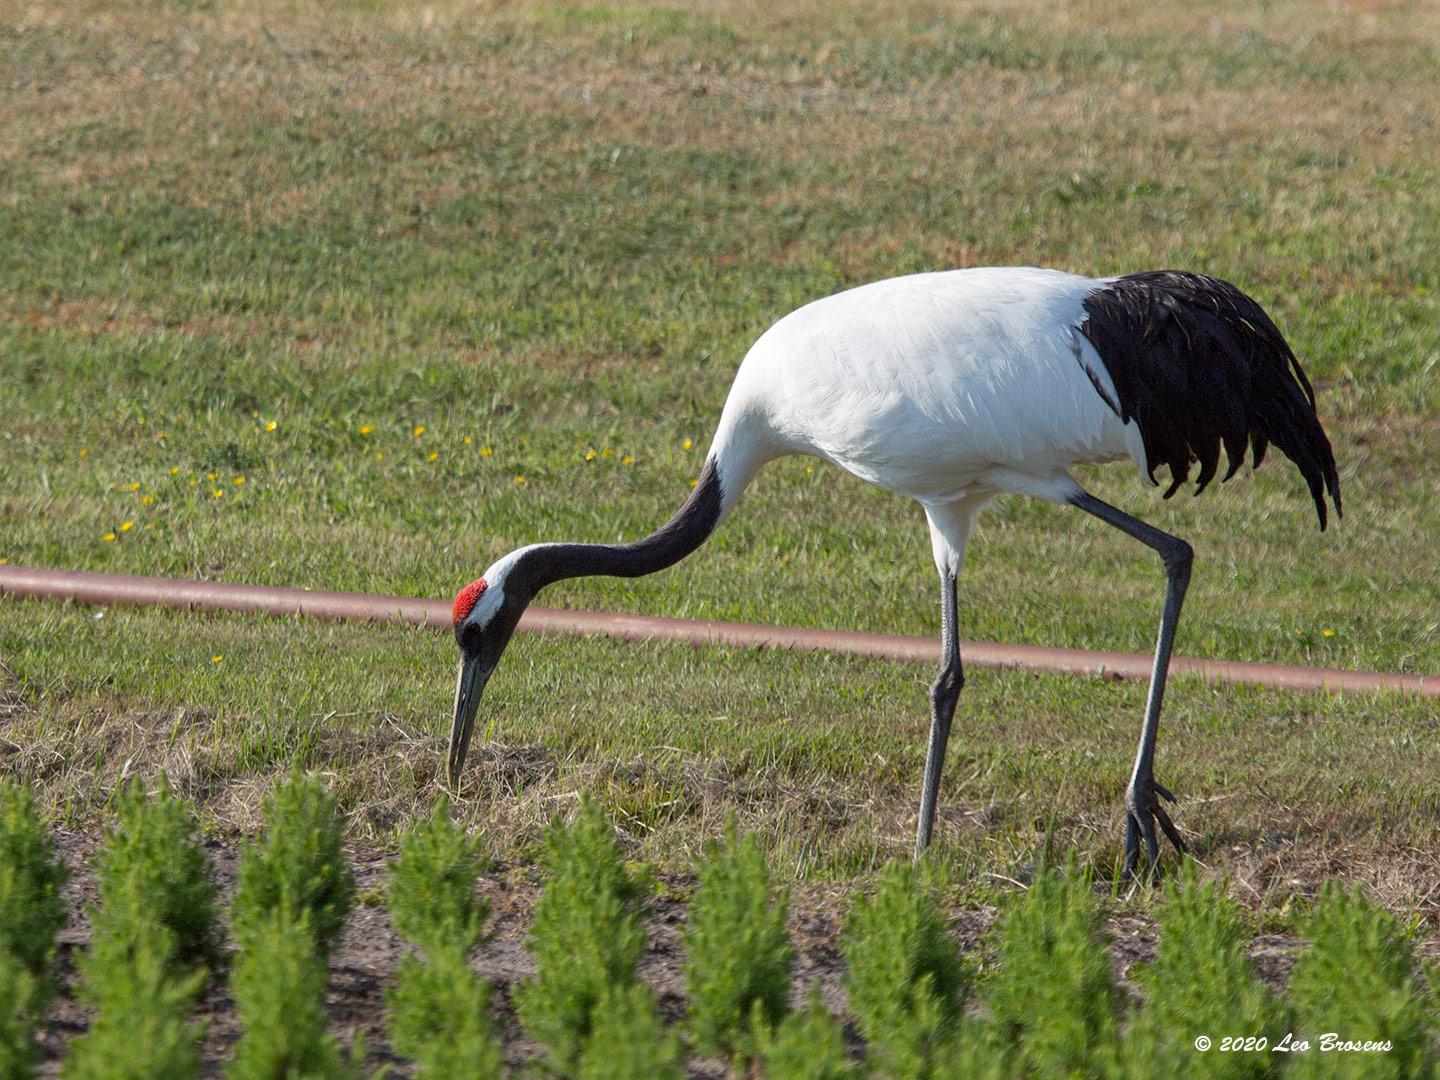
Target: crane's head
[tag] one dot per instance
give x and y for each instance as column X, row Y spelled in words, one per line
column 485, row 615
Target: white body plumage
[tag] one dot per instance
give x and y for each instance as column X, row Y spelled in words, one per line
column 947, row 387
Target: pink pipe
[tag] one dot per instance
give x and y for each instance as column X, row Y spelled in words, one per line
column 81, row 587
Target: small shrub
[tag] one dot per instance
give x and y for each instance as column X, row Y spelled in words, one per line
column 972, row 1050
column 586, row 934
column 151, row 858
column 439, row 1016
column 143, row 996
column 1201, row 981
column 32, row 910
column 432, row 886
column 439, row 1011
column 1356, row 981
column 739, row 955
column 808, row 1045
column 628, row 1041
column 297, row 867
column 18, row 1019
column 151, row 936
column 278, row 981
column 1052, row 998
column 906, row 981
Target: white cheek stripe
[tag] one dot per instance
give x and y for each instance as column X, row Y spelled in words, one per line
column 488, row 604
column 490, row 600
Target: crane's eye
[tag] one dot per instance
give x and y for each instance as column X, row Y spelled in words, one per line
column 470, row 637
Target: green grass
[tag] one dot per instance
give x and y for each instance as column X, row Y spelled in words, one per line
column 551, row 230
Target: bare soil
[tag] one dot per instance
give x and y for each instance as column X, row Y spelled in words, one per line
column 365, row 964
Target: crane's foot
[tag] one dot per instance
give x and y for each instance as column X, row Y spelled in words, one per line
column 1142, row 811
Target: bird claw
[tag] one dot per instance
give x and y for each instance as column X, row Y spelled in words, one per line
column 1143, row 811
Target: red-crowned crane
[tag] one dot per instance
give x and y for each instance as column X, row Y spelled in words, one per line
column 952, row 388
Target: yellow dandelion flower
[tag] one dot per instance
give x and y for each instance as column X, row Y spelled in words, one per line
column 216, row 659
column 486, row 451
column 809, row 470
column 379, row 455
column 126, row 526
column 211, row 477
column 469, row 441
column 693, row 483
column 419, row 430
column 520, row 479
column 3, row 561
column 1327, row 633
column 109, row 538
column 607, row 452
column 135, row 487
column 174, row 470
column 627, row 460
column 218, row 493
column 270, row 426
column 84, row 453
column 238, row 481
column 590, row 454
column 433, row 455
column 366, row 429
column 687, row 444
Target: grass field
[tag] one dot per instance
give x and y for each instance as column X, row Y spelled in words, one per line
column 362, row 296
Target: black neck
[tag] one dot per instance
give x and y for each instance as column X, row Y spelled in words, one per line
column 687, row 530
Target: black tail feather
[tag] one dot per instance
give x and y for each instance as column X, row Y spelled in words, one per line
column 1198, row 366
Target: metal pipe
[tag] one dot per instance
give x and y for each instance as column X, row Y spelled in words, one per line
column 81, row 587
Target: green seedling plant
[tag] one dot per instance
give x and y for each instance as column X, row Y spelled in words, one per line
column 32, row 912
column 1201, row 982
column 143, row 996
column 1052, row 998
column 1356, row 985
column 278, row 982
column 153, row 938
column 739, row 956
column 628, row 1040
column 809, row 1044
column 431, row 886
column 586, row 935
column 153, row 852
column 439, row 1010
column 18, row 1019
column 298, row 866
column 906, row 980
column 439, row 1017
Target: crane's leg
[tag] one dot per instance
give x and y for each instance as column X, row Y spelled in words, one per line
column 944, row 693
column 1141, row 803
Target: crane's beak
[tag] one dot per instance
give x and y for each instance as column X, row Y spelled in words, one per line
column 474, row 674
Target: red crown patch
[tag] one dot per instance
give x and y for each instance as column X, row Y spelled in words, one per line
column 465, row 599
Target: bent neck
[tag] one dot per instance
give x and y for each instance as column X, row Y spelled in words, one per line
column 691, row 526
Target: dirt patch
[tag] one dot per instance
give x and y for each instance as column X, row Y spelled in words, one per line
column 370, row 951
